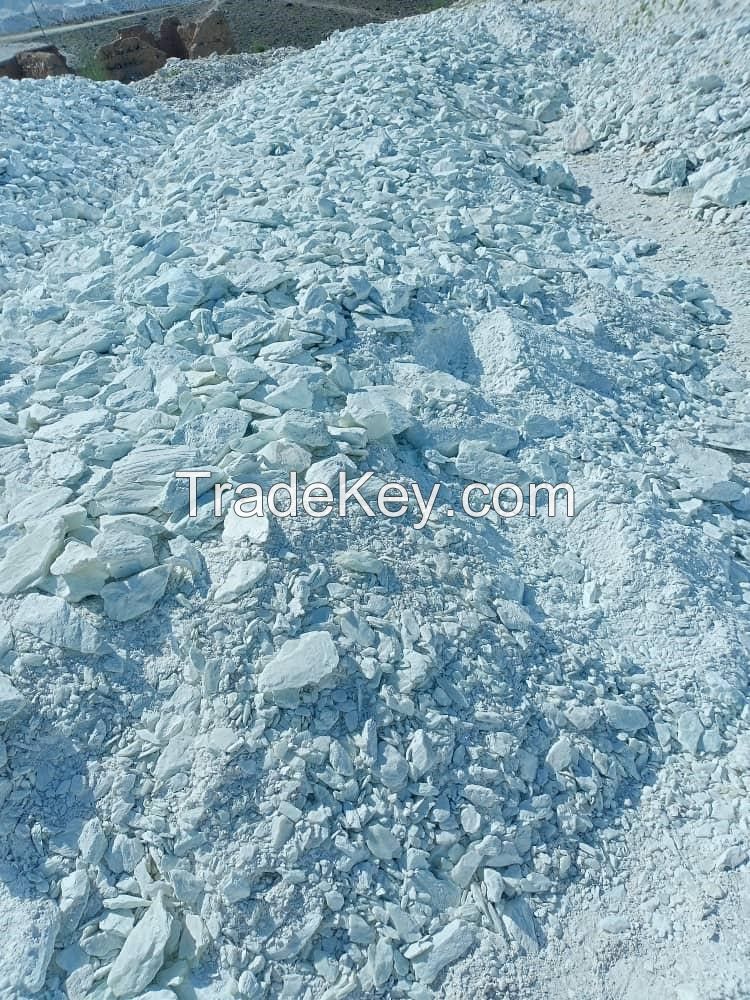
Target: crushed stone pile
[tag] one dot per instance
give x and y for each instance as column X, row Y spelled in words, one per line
column 323, row 757
column 671, row 92
column 193, row 86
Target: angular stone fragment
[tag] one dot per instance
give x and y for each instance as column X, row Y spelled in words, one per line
column 80, row 572
column 74, row 894
column 379, row 412
column 381, row 842
column 627, row 718
column 56, row 623
column 689, row 731
column 478, row 462
column 728, row 188
column 304, row 662
column 135, row 596
column 92, row 843
column 579, row 140
column 732, row 857
column 241, row 577
column 142, row 954
column 30, row 557
column 253, row 529
column 447, row 946
column 518, row 921
column 124, row 553
column 561, row 755
column 176, row 756
column 464, row 869
column 11, row 699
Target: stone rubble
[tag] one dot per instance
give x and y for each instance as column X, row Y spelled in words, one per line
column 673, row 91
column 324, row 758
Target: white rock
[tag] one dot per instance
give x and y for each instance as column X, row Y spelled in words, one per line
column 382, row 843
column 518, row 921
column 689, row 731
column 80, row 570
column 92, row 843
column 74, row 894
column 732, row 857
column 134, row 597
column 30, row 557
column 379, row 411
column 142, row 954
column 242, row 576
column 561, row 755
column 359, row 562
column 305, row 662
column 56, row 623
column 628, row 718
column 176, row 756
column 254, row 529
column 579, row 140
column 124, row 553
column 728, row 188
column 447, row 946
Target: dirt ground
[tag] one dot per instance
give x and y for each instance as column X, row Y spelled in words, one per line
column 256, row 24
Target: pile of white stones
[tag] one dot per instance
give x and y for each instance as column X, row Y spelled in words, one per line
column 193, row 86
column 671, row 95
column 325, row 758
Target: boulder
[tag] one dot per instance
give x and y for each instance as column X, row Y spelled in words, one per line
column 208, row 36
column 36, row 64
column 135, row 53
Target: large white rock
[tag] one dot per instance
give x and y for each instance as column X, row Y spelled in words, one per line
column 253, row 529
column 142, row 954
column 300, row 663
column 30, row 557
column 80, row 572
column 123, row 552
column 380, row 411
column 447, row 946
column 56, row 623
column 728, row 188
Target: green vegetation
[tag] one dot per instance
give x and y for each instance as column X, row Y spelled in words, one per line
column 92, row 69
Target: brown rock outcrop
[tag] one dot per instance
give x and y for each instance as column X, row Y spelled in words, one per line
column 10, row 68
column 208, row 36
column 135, row 53
column 35, row 64
column 169, row 39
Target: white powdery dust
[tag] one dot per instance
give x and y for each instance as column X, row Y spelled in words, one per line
column 329, row 758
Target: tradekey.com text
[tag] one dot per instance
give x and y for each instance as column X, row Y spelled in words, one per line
column 390, row 500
